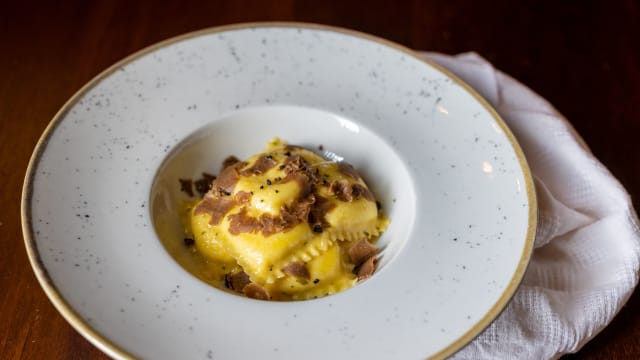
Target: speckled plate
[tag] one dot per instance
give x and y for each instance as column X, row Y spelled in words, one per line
column 100, row 195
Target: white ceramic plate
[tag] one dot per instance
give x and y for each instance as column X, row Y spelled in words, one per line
column 448, row 171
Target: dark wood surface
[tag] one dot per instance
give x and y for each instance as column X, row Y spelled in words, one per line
column 582, row 56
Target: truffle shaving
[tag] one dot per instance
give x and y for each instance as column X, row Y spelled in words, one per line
column 243, row 197
column 367, row 268
column 186, row 186
column 348, row 192
column 320, row 208
column 242, row 223
column 203, row 184
column 226, row 181
column 348, row 169
column 230, row 160
column 262, row 165
column 255, row 291
column 236, row 281
column 216, row 207
column 361, row 251
column 297, row 269
column 304, row 180
column 299, row 210
column 294, row 163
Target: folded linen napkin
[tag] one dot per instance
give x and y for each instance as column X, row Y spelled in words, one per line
column 587, row 249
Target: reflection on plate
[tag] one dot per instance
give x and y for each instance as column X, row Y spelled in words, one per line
column 451, row 175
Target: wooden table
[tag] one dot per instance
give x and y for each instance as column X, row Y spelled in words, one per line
column 585, row 59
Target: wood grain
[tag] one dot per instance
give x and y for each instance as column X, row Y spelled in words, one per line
column 584, row 57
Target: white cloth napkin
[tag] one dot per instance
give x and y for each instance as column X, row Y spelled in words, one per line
column 587, row 249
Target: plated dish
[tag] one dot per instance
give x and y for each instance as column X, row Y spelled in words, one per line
column 283, row 224
column 101, row 196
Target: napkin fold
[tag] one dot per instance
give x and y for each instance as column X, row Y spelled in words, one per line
column 587, row 249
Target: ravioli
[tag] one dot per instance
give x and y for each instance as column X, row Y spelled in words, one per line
column 286, row 224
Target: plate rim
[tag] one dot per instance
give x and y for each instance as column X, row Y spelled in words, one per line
column 113, row 350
